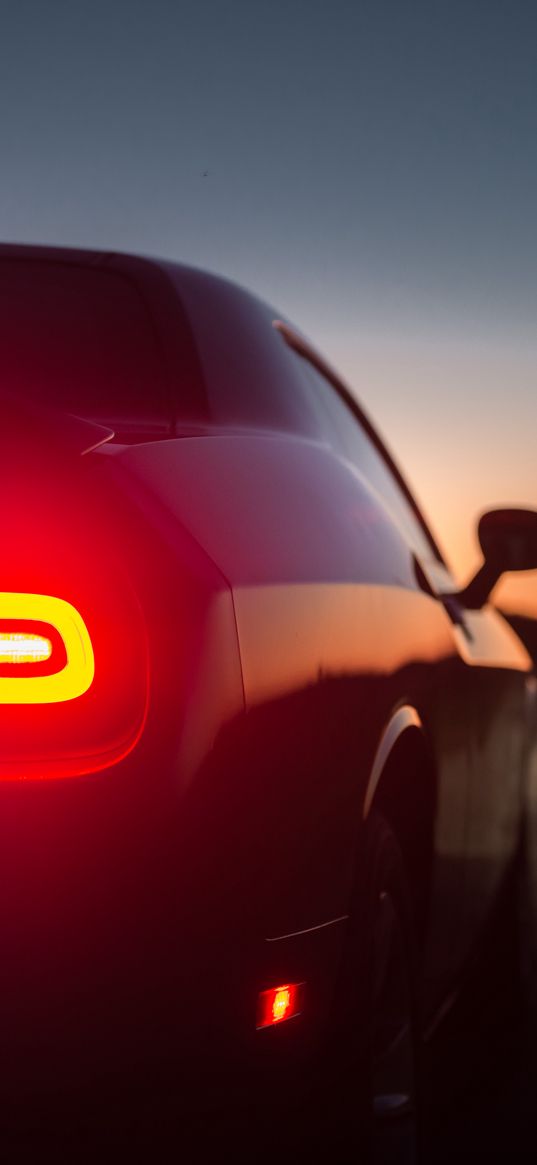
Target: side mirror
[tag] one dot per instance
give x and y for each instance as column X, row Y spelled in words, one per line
column 508, row 539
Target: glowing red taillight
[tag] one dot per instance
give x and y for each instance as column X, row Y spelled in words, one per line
column 74, row 666
column 278, row 1004
column 19, row 645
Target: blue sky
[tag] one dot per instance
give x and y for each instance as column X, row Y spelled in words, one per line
column 371, row 169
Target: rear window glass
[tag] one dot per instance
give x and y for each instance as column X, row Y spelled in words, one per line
column 81, row 340
column 249, row 378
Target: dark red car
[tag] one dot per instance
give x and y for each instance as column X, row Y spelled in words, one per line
column 262, row 762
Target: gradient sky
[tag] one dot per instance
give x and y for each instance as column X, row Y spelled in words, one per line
column 372, row 171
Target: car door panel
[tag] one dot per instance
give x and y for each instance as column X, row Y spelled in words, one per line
column 499, row 666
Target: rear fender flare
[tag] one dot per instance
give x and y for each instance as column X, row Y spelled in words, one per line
column 404, row 718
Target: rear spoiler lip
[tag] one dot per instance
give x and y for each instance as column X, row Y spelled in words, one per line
column 85, row 436
column 25, row 422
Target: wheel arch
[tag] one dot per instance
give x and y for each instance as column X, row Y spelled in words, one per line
column 402, row 786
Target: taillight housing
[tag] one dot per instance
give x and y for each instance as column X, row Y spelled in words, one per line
column 73, row 646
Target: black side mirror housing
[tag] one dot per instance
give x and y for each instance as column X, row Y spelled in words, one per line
column 508, row 539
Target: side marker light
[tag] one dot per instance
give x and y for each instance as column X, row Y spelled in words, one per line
column 278, row 1004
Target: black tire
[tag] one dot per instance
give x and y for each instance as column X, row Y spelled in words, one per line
column 374, row 1115
column 526, row 919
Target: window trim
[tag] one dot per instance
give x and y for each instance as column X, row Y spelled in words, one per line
column 299, row 345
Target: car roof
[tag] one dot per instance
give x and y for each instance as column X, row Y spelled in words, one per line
column 123, row 262
column 163, row 279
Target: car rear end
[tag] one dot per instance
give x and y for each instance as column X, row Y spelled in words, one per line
column 107, row 616
column 126, row 973
column 135, row 964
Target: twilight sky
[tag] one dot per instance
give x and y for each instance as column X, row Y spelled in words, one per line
column 372, row 171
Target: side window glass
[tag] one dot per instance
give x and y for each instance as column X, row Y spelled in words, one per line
column 346, row 434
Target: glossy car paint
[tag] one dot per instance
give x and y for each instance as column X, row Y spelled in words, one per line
column 293, row 636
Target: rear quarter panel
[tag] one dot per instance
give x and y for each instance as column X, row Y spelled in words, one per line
column 334, row 632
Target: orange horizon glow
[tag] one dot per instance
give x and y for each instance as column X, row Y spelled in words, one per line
column 457, row 407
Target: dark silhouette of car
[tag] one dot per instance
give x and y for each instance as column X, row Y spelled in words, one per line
column 262, row 760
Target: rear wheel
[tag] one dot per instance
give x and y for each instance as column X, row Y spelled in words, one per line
column 526, row 917
column 376, row 1114
column 392, row 1085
